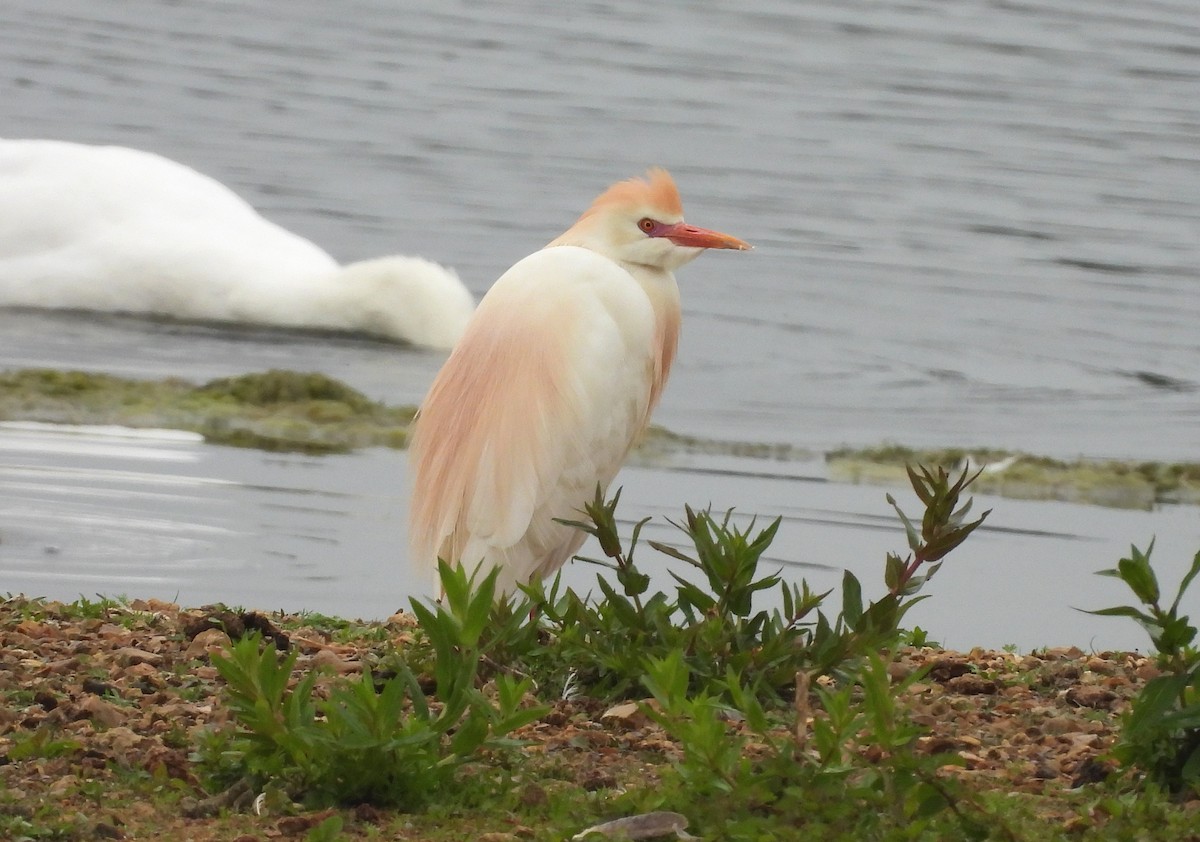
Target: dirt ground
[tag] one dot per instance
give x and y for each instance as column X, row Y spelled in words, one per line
column 84, row 698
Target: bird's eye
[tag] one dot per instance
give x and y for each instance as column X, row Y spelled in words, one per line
column 647, row 225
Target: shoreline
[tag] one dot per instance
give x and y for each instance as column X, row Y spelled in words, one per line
column 316, row 414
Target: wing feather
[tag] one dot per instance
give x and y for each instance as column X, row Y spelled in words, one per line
column 539, row 402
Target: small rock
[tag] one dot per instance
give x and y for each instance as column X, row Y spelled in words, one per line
column 328, row 658
column 143, row 671
column 1090, row 771
column 206, row 642
column 626, row 713
column 1147, row 671
column 401, row 620
column 1063, row 653
column 162, row 606
column 1064, row 672
column 597, row 779
column 972, row 685
column 936, row 745
column 1047, row 770
column 38, row 631
column 101, row 712
column 295, row 825
column 122, row 742
column 556, row 718
column 944, row 669
column 1091, row 696
column 98, row 687
column 972, row 760
column 128, row 655
column 1058, row 725
column 112, row 632
column 1081, row 743
column 63, row 785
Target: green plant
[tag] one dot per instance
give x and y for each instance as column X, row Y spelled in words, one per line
column 855, row 775
column 330, row 830
column 469, row 628
column 717, row 629
column 377, row 741
column 1161, row 731
column 713, row 622
column 86, row 609
column 42, row 743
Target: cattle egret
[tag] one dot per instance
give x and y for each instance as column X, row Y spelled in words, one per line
column 550, row 386
column 112, row 229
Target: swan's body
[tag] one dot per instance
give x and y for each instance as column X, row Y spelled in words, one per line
column 120, row 230
column 552, row 383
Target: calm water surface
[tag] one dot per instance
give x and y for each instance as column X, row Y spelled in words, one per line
column 976, row 223
column 158, row 513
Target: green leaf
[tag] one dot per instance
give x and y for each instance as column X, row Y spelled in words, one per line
column 1122, row 611
column 1137, row 573
column 667, row 549
column 852, row 608
column 923, row 485
column 1159, row 696
column 914, row 537
column 1190, row 773
column 1187, row 580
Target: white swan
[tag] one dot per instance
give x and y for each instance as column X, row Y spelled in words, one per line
column 120, row 230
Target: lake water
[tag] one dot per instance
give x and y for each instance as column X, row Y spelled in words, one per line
column 975, row 223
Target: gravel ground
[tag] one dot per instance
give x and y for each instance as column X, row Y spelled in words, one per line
column 129, row 688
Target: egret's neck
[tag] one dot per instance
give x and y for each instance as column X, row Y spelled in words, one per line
column 590, row 232
column 663, row 293
column 659, row 284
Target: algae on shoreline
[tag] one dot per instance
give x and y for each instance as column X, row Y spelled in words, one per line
column 273, row 410
column 1112, row 483
column 314, row 413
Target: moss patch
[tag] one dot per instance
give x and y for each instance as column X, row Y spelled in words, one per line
column 1119, row 484
column 273, row 410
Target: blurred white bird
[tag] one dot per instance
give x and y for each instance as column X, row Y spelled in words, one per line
column 551, row 385
column 120, row 230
